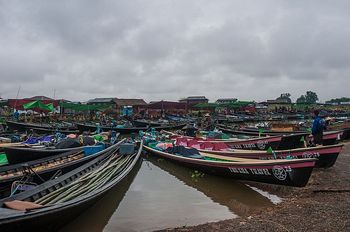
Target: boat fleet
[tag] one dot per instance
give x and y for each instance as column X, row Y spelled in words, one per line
column 50, row 171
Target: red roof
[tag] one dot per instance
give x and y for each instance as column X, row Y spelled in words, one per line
column 167, row 105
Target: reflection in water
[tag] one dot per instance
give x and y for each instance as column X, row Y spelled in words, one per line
column 238, row 197
column 164, row 195
column 96, row 217
column 158, row 200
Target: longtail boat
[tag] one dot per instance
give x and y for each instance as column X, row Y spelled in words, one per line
column 329, row 137
column 39, row 171
column 50, row 131
column 326, row 155
column 143, row 122
column 278, row 142
column 126, row 130
column 17, row 155
column 25, row 126
column 5, row 145
column 51, row 205
column 282, row 172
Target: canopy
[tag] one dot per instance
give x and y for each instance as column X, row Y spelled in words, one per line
column 81, row 107
column 38, row 104
column 206, row 105
column 237, row 104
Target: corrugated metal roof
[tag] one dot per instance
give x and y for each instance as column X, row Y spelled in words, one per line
column 101, row 100
column 129, row 102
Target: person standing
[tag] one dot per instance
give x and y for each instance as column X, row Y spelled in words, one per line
column 16, row 115
column 317, row 128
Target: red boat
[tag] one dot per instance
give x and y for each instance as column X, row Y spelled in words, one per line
column 326, row 155
column 283, row 172
column 329, row 137
column 278, row 142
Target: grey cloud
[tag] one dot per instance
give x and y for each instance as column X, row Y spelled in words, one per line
column 163, row 49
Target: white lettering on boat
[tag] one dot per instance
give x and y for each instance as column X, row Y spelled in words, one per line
column 310, row 155
column 254, row 171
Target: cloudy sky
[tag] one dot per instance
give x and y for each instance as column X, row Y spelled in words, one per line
column 168, row 49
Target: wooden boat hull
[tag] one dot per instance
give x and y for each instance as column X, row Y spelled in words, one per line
column 143, row 123
column 17, row 155
column 326, row 155
column 5, row 145
column 290, row 173
column 51, row 218
column 92, row 128
column 23, row 127
column 346, row 134
column 262, row 143
column 275, row 142
column 53, row 131
column 329, row 137
column 45, row 173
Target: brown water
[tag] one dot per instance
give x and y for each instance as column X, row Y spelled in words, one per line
column 164, row 195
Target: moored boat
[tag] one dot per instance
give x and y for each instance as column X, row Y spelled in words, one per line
column 48, row 131
column 17, row 155
column 282, row 172
column 26, row 126
column 41, row 170
column 82, row 127
column 51, row 205
column 329, row 137
column 279, row 142
column 326, row 155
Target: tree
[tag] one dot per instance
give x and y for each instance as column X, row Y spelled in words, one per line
column 311, row 97
column 301, row 99
column 285, row 97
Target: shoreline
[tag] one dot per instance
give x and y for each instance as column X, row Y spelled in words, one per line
column 322, row 205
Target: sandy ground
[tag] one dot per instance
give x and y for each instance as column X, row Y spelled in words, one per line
column 323, row 205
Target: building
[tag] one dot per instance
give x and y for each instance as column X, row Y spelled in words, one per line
column 18, row 103
column 279, row 101
column 100, row 101
column 226, row 100
column 157, row 109
column 279, row 105
column 194, row 100
column 137, row 104
column 120, row 103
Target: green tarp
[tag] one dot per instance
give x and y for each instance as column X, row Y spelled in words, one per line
column 237, row 104
column 3, row 159
column 206, row 105
column 83, row 107
column 38, row 104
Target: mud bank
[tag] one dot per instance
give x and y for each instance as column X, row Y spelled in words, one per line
column 323, row 205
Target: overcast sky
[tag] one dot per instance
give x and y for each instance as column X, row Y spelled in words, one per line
column 162, row 49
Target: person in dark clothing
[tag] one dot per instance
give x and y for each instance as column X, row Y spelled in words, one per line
column 191, row 130
column 317, row 128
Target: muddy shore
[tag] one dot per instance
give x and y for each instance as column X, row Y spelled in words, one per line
column 323, row 205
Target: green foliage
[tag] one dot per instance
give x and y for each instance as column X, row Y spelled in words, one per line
column 301, row 99
column 285, row 96
column 309, row 98
column 338, row 100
